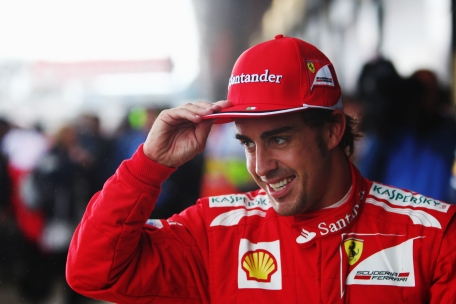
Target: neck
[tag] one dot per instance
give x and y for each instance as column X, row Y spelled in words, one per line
column 339, row 180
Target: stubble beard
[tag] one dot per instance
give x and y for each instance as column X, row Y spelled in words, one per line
column 302, row 200
column 298, row 205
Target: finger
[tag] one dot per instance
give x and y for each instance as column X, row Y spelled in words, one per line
column 199, row 108
column 216, row 106
column 202, row 104
column 184, row 114
column 203, row 130
column 223, row 103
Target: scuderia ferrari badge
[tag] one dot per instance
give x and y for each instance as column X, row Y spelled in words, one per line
column 354, row 249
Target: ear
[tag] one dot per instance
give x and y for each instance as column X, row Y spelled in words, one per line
column 336, row 129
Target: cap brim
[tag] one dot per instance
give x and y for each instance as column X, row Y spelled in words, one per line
column 229, row 114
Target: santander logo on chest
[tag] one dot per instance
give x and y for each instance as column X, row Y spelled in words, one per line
column 327, row 227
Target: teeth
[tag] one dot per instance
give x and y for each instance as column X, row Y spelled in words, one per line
column 280, row 185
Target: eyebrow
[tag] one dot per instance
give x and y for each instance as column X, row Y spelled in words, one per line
column 267, row 133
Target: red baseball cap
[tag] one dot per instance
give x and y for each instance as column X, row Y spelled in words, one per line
column 278, row 76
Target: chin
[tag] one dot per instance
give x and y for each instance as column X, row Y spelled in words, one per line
column 284, row 211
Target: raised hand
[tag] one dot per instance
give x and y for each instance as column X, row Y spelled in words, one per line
column 180, row 133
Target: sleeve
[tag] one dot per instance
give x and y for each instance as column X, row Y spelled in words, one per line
column 115, row 256
column 443, row 286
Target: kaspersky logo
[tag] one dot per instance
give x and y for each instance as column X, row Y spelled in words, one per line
column 403, row 198
column 259, row 265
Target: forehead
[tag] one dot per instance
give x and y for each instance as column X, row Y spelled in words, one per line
column 245, row 126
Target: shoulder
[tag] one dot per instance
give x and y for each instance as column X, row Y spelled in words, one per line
column 408, row 207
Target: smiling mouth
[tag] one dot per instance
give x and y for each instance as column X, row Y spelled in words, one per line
column 281, row 185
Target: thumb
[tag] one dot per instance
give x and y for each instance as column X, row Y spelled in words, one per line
column 202, row 131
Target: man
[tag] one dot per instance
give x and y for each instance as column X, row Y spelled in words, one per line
column 315, row 232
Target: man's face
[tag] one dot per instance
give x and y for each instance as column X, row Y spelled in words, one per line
column 288, row 160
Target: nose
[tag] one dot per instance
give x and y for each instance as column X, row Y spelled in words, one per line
column 264, row 161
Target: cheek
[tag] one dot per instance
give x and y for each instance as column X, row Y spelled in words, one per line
column 250, row 163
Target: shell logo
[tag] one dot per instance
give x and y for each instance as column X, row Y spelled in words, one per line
column 259, row 265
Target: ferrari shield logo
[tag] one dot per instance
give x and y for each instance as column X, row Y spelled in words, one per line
column 311, row 66
column 354, row 249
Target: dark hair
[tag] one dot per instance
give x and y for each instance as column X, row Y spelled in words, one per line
column 318, row 118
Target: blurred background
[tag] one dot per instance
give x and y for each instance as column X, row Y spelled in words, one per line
column 81, row 82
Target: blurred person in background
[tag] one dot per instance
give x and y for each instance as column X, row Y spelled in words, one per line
column 24, row 147
column 58, row 187
column 131, row 132
column 5, row 186
column 9, row 233
column 97, row 147
column 410, row 130
column 316, row 231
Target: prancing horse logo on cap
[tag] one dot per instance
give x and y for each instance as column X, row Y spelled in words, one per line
column 320, row 74
column 311, row 67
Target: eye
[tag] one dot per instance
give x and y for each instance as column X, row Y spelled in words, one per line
column 278, row 140
column 247, row 144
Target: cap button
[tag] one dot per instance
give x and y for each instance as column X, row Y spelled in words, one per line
column 278, row 36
